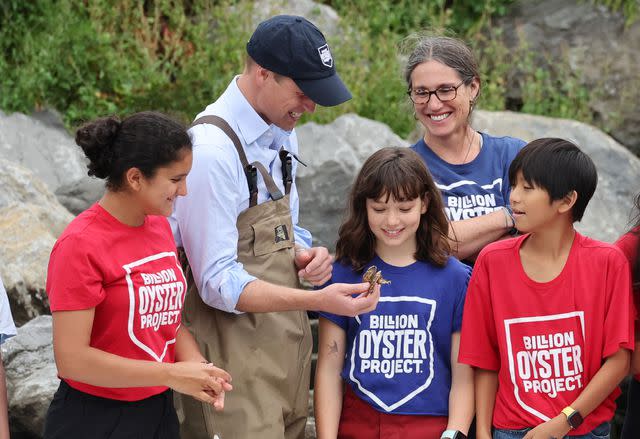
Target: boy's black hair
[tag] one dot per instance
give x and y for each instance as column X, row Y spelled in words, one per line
column 559, row 167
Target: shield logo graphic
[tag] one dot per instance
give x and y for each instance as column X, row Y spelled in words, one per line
column 156, row 294
column 325, row 55
column 382, row 348
column 545, row 360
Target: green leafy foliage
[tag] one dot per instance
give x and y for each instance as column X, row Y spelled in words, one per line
column 368, row 55
column 98, row 57
column 88, row 58
column 629, row 8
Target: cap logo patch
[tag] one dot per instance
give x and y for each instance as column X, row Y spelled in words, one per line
column 325, row 55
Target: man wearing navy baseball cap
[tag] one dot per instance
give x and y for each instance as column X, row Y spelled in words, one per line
column 293, row 47
column 238, row 226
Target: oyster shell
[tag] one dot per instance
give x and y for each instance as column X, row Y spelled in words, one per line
column 374, row 276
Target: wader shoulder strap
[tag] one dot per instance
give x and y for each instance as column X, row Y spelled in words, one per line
column 226, row 128
column 250, row 169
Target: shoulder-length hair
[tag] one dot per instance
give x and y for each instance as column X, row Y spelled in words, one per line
column 400, row 173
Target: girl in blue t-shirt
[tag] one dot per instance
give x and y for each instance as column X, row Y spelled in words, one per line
column 394, row 372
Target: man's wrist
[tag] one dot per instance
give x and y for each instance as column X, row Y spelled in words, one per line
column 315, row 299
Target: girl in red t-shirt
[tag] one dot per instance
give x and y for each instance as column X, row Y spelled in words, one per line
column 629, row 243
column 116, row 292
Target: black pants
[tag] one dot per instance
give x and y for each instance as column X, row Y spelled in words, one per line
column 631, row 425
column 75, row 414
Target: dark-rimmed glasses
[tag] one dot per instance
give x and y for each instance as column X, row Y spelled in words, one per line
column 422, row 96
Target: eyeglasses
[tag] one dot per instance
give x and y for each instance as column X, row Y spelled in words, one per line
column 444, row 94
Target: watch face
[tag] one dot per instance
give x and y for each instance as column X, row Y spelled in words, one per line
column 575, row 419
column 459, row 435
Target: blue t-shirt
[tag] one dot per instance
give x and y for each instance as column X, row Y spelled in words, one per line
column 398, row 357
column 478, row 187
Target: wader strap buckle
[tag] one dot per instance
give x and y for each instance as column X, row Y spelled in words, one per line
column 274, row 192
column 287, row 168
column 251, row 173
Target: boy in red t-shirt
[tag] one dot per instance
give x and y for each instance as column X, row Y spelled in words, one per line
column 629, row 243
column 547, row 322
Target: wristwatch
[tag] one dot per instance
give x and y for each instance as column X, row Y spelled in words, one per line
column 574, row 418
column 509, row 213
column 453, row 434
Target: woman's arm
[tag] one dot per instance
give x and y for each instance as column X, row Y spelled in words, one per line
column 328, row 384
column 78, row 361
column 467, row 237
column 461, row 396
column 486, row 387
column 187, row 350
column 186, row 347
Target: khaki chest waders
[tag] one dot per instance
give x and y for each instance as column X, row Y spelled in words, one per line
column 267, row 354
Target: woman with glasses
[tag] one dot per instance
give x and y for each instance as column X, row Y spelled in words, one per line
column 470, row 168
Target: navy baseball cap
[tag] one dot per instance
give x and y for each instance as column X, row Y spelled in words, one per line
column 294, row 47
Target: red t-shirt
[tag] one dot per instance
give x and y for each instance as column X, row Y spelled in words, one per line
column 131, row 276
column 628, row 243
column 546, row 340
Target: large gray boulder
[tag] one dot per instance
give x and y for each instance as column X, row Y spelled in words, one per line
column 31, row 377
column 607, row 215
column 42, row 147
column 80, row 194
column 334, row 153
column 602, row 53
column 22, row 186
column 30, row 220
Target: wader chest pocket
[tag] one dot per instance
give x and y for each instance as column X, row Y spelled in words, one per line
column 272, row 235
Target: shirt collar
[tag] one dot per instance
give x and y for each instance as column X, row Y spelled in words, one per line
column 251, row 126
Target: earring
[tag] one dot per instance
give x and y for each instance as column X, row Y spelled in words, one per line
column 414, row 116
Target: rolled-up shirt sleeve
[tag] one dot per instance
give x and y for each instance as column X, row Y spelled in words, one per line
column 302, row 236
column 205, row 222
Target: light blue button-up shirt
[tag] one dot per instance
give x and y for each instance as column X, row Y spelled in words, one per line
column 204, row 221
